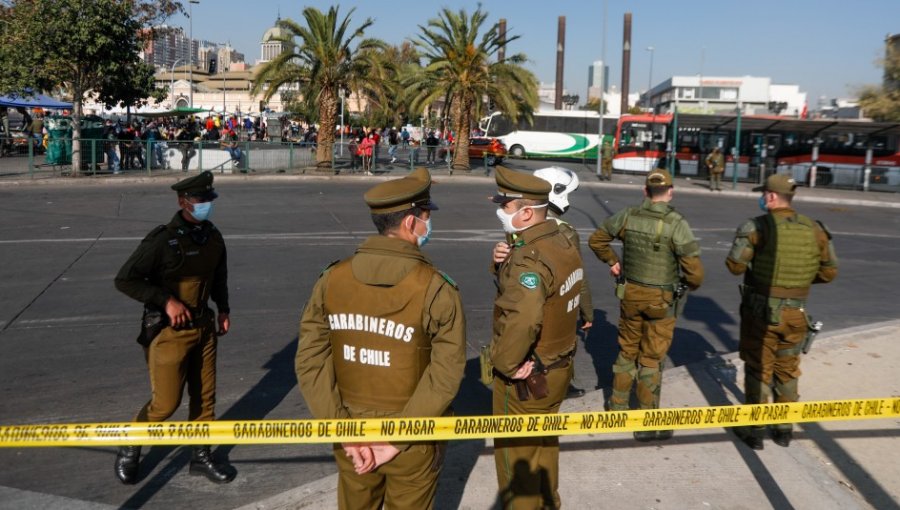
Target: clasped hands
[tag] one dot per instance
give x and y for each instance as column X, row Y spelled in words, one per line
column 366, row 457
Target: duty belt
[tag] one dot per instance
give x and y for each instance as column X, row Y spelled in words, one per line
column 667, row 287
column 562, row 362
column 775, row 302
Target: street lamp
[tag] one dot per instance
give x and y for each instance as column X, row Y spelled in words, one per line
column 650, row 80
column 191, row 45
column 172, row 74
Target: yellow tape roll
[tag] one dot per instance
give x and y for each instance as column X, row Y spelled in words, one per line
column 440, row 429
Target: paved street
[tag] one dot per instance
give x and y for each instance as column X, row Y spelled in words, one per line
column 67, row 350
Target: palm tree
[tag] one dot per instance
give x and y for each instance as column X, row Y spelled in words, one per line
column 461, row 72
column 320, row 58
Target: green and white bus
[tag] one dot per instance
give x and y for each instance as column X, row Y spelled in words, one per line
column 558, row 134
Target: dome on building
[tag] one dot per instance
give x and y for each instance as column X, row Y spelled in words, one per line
column 273, row 33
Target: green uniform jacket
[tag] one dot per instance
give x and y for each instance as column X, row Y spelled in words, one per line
column 683, row 243
column 518, row 308
column 748, row 238
column 141, row 276
column 385, row 261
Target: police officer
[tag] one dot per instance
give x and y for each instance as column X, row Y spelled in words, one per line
column 535, row 320
column 606, row 163
column 715, row 163
column 383, row 335
column 563, row 182
column 659, row 254
column 175, row 270
column 780, row 254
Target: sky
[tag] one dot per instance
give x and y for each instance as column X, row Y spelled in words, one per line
column 829, row 48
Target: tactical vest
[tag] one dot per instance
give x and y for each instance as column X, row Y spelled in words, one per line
column 191, row 281
column 647, row 254
column 560, row 310
column 378, row 344
column 789, row 255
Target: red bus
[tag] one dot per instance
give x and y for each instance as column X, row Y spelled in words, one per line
column 768, row 144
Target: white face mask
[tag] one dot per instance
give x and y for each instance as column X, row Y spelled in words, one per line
column 507, row 218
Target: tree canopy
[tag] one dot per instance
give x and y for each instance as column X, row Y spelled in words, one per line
column 883, row 103
column 324, row 58
column 462, row 72
column 82, row 49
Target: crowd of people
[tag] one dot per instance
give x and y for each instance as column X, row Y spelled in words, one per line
column 128, row 146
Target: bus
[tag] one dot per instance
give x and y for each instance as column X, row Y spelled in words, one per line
column 768, row 144
column 559, row 134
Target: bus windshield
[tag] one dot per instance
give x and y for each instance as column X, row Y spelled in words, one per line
column 642, row 135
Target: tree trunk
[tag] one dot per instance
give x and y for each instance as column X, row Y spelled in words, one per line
column 327, row 111
column 77, row 106
column 461, row 108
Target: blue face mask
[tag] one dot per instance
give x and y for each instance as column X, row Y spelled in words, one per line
column 422, row 240
column 202, row 210
column 762, row 203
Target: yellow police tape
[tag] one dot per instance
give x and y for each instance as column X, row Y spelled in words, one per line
column 445, row 428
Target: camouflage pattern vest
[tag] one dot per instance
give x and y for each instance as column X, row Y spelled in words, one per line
column 379, row 348
column 647, row 254
column 789, row 255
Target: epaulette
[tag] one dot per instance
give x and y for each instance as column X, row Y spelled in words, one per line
column 447, row 278
column 329, row 266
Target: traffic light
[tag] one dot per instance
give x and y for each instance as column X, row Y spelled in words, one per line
column 212, row 65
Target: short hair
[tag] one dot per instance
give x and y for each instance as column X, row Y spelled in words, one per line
column 385, row 223
column 530, row 202
column 786, row 197
column 657, row 191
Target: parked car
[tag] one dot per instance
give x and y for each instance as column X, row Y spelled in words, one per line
column 491, row 149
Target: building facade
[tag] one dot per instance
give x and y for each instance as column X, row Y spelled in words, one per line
column 724, row 94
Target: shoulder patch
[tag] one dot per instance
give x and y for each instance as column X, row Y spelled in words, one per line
column 530, row 280
column 447, row 278
column 329, row 266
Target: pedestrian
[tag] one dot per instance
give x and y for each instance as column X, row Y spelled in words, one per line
column 109, row 136
column 660, row 257
column 606, row 163
column 393, row 142
column 366, row 149
column 538, row 275
column 185, row 137
column 232, row 147
column 412, row 368
column 781, row 254
column 431, row 145
column 175, row 270
column 563, row 182
column 715, row 163
column 353, row 149
column 404, row 136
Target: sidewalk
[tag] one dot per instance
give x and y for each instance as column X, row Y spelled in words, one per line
column 832, row 465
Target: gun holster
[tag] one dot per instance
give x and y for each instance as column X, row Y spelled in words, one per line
column 152, row 324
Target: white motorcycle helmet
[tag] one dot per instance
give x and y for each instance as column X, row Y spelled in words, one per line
column 562, row 181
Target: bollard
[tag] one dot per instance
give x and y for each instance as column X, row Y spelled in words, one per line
column 199, row 156
column 93, row 157
column 31, row 159
column 290, row 156
column 867, row 170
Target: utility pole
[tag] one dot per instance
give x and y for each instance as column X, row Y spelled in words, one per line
column 191, row 46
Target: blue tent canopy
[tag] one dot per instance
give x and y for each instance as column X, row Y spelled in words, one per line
column 33, row 101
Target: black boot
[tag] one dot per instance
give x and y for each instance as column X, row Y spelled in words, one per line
column 128, row 459
column 574, row 392
column 751, row 436
column 782, row 437
column 203, row 463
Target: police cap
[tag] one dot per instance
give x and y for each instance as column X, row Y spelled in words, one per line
column 512, row 185
column 778, row 183
column 199, row 186
column 412, row 191
column 658, row 178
